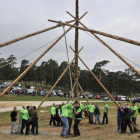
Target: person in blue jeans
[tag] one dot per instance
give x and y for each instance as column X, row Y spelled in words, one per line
column 97, row 114
column 119, row 118
column 64, row 119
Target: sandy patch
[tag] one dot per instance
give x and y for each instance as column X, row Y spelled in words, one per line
column 4, row 105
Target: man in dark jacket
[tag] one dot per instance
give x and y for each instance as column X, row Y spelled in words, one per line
column 13, row 120
column 97, row 114
column 30, row 122
column 127, row 117
column 119, row 118
column 34, row 118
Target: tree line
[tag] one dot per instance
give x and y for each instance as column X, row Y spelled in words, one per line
column 120, row 82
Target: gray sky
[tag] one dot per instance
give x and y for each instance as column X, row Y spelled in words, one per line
column 117, row 17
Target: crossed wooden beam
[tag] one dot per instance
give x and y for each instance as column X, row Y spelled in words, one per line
column 72, row 26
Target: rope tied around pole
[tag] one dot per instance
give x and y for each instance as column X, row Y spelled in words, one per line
column 67, row 57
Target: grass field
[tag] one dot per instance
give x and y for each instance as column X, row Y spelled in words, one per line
column 88, row 132
column 11, row 97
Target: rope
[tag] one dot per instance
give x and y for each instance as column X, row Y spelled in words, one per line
column 68, row 58
column 28, row 53
column 119, row 54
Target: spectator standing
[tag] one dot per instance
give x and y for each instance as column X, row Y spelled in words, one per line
column 91, row 110
column 13, row 120
column 25, row 118
column 97, row 114
column 53, row 114
column 20, row 119
column 105, row 113
column 134, row 113
column 34, row 117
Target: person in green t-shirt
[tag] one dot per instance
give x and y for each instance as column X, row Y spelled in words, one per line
column 85, row 111
column 20, row 119
column 53, row 114
column 91, row 110
column 105, row 113
column 64, row 119
column 70, row 118
column 25, row 118
column 78, row 117
column 134, row 114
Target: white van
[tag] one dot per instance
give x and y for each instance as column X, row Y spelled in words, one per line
column 123, row 98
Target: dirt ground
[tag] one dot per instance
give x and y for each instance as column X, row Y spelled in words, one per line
column 88, row 132
column 4, row 105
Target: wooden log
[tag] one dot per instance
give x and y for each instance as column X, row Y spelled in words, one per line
column 71, row 92
column 27, row 36
column 33, row 34
column 83, row 92
column 76, row 46
column 55, row 84
column 100, row 33
column 14, row 82
column 118, row 55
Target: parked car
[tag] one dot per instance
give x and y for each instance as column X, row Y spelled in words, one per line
column 53, row 93
column 61, row 94
column 40, row 89
column 86, row 93
column 45, row 93
column 32, row 87
column 106, row 98
column 97, row 97
column 81, row 96
column 30, row 91
column 90, row 96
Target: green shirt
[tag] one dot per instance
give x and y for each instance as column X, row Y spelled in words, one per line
column 136, row 111
column 65, row 109
column 105, row 108
column 53, row 110
column 91, row 108
column 81, row 106
column 20, row 114
column 70, row 112
column 79, row 110
column 25, row 114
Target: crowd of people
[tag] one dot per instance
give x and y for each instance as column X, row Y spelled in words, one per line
column 27, row 119
column 124, row 115
column 67, row 112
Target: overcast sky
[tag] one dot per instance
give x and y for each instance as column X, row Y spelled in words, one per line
column 117, row 17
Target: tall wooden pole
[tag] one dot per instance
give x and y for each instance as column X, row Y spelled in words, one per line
column 8, row 88
column 76, row 47
column 100, row 33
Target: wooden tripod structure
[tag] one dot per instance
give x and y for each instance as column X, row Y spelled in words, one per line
column 77, row 27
